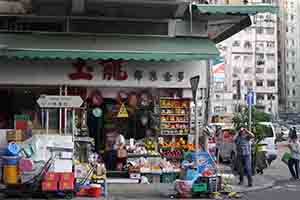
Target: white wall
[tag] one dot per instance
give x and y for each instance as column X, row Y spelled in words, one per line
column 51, row 72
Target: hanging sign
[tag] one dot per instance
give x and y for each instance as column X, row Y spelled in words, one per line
column 194, row 84
column 46, row 101
column 122, row 112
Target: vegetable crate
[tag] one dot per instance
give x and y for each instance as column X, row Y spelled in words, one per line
column 202, row 187
column 168, row 177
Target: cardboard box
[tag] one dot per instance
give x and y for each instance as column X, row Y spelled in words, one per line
column 15, row 135
column 66, row 185
column 67, row 177
column 61, row 166
column 49, row 185
column 51, row 176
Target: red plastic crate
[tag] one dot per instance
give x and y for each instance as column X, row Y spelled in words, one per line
column 66, row 185
column 51, row 176
column 67, row 176
column 49, row 186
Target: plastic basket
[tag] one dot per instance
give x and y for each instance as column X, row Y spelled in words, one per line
column 168, row 177
column 202, row 187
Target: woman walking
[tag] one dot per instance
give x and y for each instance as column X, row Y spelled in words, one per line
column 293, row 163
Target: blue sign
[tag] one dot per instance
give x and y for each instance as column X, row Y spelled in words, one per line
column 251, row 97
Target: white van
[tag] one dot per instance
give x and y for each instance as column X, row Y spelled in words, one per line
column 269, row 141
column 227, row 149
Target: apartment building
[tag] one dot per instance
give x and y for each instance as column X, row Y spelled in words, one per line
column 251, row 59
column 289, row 55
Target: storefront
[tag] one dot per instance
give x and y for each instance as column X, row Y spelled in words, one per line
column 134, row 86
column 148, row 101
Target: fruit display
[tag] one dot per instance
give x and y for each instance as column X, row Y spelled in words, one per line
column 174, row 103
column 175, row 116
column 172, row 153
column 149, row 144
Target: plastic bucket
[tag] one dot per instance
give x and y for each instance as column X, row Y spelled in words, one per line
column 10, row 174
column 12, row 149
column 95, row 190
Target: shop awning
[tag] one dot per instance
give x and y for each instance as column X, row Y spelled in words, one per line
column 226, row 20
column 48, row 46
column 237, row 9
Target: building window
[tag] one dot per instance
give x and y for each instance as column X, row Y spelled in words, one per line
column 248, row 83
column 270, row 31
column 236, row 43
column 259, row 70
column 236, row 58
column 247, row 45
column 293, row 66
column 235, row 97
column 294, row 92
column 234, row 83
column 260, row 96
column 292, row 17
column 237, row 70
column 271, row 57
column 271, row 44
column 259, row 30
column 259, row 83
column 293, row 79
column 294, row 104
column 248, row 59
column 248, row 70
column 271, row 70
column 271, row 83
column 271, row 97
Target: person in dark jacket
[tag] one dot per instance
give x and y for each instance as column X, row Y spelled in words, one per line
column 243, row 145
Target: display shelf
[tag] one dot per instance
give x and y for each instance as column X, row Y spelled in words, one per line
column 142, row 155
column 175, row 122
column 172, row 114
column 173, row 157
column 171, row 107
column 173, row 134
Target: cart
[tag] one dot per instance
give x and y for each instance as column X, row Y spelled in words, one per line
column 197, row 182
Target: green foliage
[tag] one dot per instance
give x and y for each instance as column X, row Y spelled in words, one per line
column 241, row 119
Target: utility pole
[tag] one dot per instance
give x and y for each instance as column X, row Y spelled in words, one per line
column 207, row 100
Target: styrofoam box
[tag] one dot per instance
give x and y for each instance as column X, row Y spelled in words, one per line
column 61, row 166
column 135, row 175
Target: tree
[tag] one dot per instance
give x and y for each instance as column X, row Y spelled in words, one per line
column 241, row 119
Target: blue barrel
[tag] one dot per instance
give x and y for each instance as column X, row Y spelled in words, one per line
column 10, row 160
column 13, row 149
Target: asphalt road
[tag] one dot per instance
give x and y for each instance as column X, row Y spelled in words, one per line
column 288, row 190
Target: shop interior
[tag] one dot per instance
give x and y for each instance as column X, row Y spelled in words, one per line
column 135, row 130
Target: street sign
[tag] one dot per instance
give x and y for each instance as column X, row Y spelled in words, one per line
column 46, row 101
column 194, row 84
column 251, row 97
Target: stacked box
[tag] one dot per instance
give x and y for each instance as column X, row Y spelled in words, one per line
column 15, row 136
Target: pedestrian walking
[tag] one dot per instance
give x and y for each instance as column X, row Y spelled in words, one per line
column 293, row 162
column 292, row 133
column 243, row 145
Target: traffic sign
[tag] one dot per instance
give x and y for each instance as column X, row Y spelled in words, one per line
column 51, row 101
column 194, row 84
column 251, row 97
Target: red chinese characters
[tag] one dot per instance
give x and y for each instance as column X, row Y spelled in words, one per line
column 83, row 72
column 112, row 70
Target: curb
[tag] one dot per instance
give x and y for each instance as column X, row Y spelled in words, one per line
column 253, row 189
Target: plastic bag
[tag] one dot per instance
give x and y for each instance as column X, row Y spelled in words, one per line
column 286, row 157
